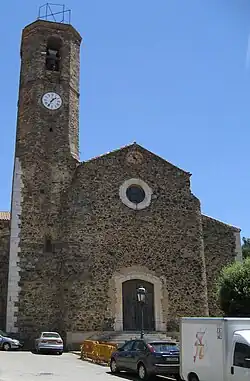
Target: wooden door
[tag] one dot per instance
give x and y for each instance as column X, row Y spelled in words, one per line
column 132, row 309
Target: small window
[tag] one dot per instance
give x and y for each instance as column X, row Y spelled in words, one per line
column 128, row 346
column 135, row 194
column 48, row 247
column 53, row 56
column 241, row 353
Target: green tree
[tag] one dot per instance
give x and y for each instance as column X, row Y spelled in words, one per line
column 246, row 247
column 233, row 289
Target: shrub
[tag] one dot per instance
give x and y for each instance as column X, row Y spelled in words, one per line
column 233, row 289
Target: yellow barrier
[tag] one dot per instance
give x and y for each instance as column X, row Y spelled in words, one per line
column 108, row 343
column 87, row 349
column 97, row 352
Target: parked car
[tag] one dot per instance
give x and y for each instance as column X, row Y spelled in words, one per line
column 147, row 358
column 8, row 343
column 50, row 342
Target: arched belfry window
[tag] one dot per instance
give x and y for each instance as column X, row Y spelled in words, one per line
column 53, row 55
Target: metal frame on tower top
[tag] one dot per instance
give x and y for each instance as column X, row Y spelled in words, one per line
column 54, row 12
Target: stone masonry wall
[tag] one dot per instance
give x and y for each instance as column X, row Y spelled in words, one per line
column 103, row 236
column 4, row 263
column 220, row 250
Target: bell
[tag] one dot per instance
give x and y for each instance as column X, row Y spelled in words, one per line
column 50, row 64
column 52, row 60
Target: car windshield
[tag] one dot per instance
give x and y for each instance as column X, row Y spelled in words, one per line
column 51, row 335
column 164, row 347
column 2, row 333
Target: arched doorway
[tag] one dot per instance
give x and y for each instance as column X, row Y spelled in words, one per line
column 131, row 308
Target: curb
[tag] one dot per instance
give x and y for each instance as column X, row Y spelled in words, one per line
column 95, row 362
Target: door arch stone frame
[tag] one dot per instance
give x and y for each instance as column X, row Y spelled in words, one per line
column 160, row 295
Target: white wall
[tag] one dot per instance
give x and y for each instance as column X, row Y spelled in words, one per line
column 16, row 210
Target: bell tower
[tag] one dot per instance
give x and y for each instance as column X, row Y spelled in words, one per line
column 46, row 155
column 49, row 89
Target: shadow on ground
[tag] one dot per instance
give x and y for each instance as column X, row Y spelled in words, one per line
column 133, row 377
column 126, row 375
column 44, row 353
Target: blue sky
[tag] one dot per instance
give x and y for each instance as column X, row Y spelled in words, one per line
column 169, row 74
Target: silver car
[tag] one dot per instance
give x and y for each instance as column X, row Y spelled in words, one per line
column 8, row 343
column 49, row 342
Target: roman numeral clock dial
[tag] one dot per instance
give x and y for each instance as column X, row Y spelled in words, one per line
column 51, row 100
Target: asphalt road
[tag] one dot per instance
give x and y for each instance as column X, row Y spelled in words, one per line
column 25, row 366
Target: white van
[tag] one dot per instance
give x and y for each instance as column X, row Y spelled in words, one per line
column 215, row 349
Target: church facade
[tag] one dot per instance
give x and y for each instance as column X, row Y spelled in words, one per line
column 81, row 237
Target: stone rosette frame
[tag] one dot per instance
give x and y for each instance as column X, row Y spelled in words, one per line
column 160, row 295
column 140, row 183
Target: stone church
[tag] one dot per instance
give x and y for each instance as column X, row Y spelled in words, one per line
column 81, row 237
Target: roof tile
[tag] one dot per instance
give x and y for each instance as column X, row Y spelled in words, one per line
column 5, row 216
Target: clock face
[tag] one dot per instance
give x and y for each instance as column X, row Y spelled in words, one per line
column 135, row 158
column 52, row 101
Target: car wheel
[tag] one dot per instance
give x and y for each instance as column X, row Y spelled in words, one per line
column 113, row 366
column 142, row 372
column 193, row 377
column 6, row 346
column 60, row 353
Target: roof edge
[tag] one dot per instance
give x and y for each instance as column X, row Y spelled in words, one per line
column 140, row 147
column 161, row 158
column 235, row 228
column 51, row 24
column 108, row 153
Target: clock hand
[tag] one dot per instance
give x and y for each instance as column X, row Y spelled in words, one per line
column 52, row 100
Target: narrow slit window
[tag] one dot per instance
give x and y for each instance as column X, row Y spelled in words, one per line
column 48, row 247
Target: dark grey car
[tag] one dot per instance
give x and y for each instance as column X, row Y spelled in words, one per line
column 147, row 358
